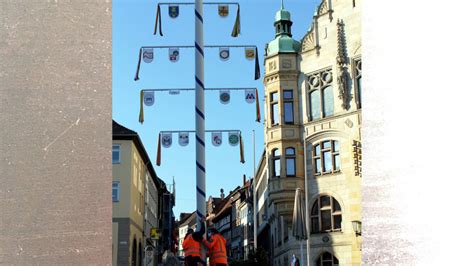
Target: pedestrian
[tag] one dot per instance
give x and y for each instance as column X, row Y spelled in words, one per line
column 217, row 248
column 295, row 261
column 192, row 249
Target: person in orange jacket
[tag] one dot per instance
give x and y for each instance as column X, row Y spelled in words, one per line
column 192, row 249
column 217, row 248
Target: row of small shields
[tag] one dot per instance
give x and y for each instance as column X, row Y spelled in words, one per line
column 222, row 10
column 183, row 139
column 148, row 54
column 224, row 96
column 250, row 96
column 165, row 139
column 173, row 12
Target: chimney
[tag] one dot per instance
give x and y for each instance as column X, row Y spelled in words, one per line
column 245, row 179
column 222, row 193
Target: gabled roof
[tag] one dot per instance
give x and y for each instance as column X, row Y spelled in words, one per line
column 190, row 220
column 120, row 132
column 226, row 204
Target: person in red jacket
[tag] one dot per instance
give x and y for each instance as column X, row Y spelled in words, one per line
column 192, row 249
column 217, row 248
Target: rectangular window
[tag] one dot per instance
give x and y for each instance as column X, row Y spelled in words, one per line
column 327, row 161
column 276, row 167
column 328, row 101
column 289, row 119
column 290, row 167
column 116, row 153
column 359, row 92
column 275, row 114
column 317, row 162
column 288, row 107
column 116, row 191
column 315, row 102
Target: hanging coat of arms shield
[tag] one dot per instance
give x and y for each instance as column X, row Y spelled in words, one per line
column 173, row 11
column 223, row 10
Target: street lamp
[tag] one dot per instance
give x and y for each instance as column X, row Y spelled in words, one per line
column 357, row 226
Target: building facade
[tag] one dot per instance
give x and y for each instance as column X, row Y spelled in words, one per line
column 141, row 202
column 129, row 170
column 186, row 221
column 313, row 97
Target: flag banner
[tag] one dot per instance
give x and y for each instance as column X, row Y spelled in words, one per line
column 158, row 155
column 141, row 116
column 173, row 11
column 250, row 96
column 234, row 138
column 167, row 139
column 147, row 55
column 236, row 29
column 158, row 20
column 223, row 10
column 217, row 138
column 183, row 138
column 224, row 53
column 138, row 66
column 250, row 53
column 257, row 65
column 241, row 142
column 224, row 96
column 257, row 106
column 174, row 54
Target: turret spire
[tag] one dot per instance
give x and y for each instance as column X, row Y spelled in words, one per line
column 282, row 5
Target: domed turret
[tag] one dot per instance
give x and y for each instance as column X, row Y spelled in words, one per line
column 283, row 43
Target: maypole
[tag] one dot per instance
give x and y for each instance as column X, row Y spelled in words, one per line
column 200, row 117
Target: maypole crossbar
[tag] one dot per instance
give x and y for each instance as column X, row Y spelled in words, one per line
column 194, row 131
column 206, row 89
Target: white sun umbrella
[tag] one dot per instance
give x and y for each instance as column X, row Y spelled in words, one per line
column 299, row 221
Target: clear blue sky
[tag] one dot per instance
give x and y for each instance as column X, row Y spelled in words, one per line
column 133, row 23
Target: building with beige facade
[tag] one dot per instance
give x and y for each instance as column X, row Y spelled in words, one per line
column 131, row 167
column 313, row 96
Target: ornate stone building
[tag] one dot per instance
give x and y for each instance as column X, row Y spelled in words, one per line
column 313, row 96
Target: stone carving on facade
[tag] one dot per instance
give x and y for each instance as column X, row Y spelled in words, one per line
column 343, row 77
column 325, row 8
column 308, row 40
column 357, row 152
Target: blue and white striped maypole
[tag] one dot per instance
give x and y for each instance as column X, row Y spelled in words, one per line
column 200, row 118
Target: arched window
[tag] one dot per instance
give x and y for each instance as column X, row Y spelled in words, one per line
column 328, row 101
column 321, row 95
column 326, row 157
column 327, row 259
column 326, row 215
column 290, row 161
column 276, row 162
